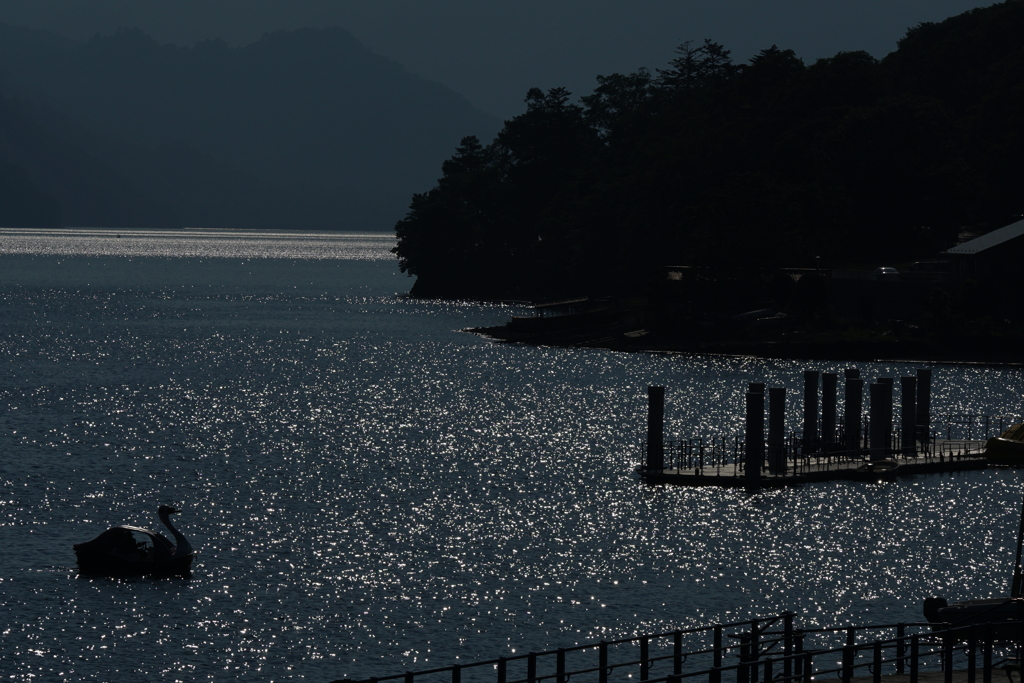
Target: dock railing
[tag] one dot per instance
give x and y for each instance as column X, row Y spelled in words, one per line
column 952, row 438
column 755, row 651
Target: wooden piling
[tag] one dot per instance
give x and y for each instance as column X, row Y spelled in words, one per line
column 754, row 436
column 924, row 404
column 777, row 430
column 810, row 411
column 829, row 380
column 853, row 409
column 655, row 428
column 880, row 419
column 908, row 416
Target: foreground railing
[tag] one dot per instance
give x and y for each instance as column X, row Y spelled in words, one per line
column 755, row 651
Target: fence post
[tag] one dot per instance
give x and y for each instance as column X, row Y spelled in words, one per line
column 677, row 652
column 798, row 655
column 502, row 670
column 718, row 646
column 644, row 657
column 901, row 647
column 602, row 663
column 743, row 670
column 986, row 655
column 915, row 652
column 972, row 647
column 560, row 666
column 787, row 645
column 876, row 662
column 847, row 672
column 948, row 644
column 457, row 674
column 410, row 677
column 755, row 649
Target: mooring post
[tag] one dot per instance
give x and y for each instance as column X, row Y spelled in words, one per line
column 924, row 406
column 777, row 430
column 810, row 411
column 829, row 381
column 881, row 426
column 754, row 435
column 655, row 429
column 908, row 416
column 853, row 408
column 890, row 384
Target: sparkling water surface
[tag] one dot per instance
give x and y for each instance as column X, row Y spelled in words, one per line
column 372, row 490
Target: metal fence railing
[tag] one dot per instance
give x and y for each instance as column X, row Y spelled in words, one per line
column 755, row 651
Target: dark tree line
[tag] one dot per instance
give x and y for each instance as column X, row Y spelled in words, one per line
column 769, row 163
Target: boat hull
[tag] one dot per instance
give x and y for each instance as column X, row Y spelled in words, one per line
column 1007, row 448
column 110, row 565
column 1005, row 616
column 126, row 550
column 876, row 470
column 1000, row 451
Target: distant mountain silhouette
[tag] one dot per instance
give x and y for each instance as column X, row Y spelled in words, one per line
column 183, row 22
column 302, row 129
column 51, row 178
column 493, row 52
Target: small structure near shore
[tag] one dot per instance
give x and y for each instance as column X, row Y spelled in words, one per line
column 829, row 446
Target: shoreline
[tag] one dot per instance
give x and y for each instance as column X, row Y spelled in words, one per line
column 895, row 351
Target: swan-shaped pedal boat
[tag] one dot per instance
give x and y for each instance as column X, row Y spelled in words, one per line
column 134, row 551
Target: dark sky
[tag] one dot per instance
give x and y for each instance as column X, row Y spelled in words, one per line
column 492, row 51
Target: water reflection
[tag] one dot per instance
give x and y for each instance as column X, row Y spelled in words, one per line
column 373, row 491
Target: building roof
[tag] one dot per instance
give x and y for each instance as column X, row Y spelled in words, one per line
column 989, row 240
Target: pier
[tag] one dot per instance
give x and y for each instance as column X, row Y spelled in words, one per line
column 852, row 446
column 948, row 457
column 769, row 650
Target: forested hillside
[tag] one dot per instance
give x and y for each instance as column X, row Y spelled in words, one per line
column 302, row 129
column 769, row 163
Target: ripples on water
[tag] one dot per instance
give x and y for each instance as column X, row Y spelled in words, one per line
column 374, row 491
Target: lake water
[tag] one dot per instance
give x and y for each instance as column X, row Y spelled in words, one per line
column 372, row 490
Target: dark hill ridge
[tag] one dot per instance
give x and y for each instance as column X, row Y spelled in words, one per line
column 78, row 187
column 301, row 129
column 736, row 167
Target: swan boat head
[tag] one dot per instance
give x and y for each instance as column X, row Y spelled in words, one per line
column 131, row 550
